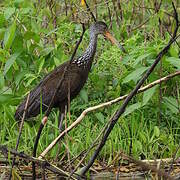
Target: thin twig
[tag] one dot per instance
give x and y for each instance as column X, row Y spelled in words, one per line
column 173, row 159
column 147, row 166
column 28, row 158
column 89, row 10
column 20, row 132
column 90, row 109
column 122, row 109
column 78, row 43
column 89, row 149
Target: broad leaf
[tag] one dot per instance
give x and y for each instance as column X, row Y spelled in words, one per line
column 148, row 94
column 140, row 58
column 171, row 103
column 9, row 12
column 9, row 36
column 5, row 98
column 132, row 108
column 10, row 62
column 135, row 75
column 174, row 61
column 46, row 51
column 100, row 117
column 173, row 51
column 83, row 95
column 40, row 64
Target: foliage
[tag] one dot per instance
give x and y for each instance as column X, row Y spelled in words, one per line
column 37, row 37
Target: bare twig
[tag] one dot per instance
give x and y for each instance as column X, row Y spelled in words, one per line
column 89, row 10
column 147, row 166
column 78, row 43
column 122, row 109
column 173, row 159
column 90, row 109
column 28, row 158
column 20, row 132
column 115, row 10
column 109, row 14
column 89, row 149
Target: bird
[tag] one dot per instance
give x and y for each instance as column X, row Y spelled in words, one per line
column 74, row 79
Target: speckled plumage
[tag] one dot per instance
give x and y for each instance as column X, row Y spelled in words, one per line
column 75, row 78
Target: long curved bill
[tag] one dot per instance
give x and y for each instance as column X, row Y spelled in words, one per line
column 109, row 36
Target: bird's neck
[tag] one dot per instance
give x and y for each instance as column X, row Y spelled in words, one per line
column 91, row 49
column 87, row 57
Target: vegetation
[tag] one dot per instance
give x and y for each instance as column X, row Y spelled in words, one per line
column 37, row 36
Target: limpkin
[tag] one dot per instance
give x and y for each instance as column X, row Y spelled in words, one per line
column 74, row 79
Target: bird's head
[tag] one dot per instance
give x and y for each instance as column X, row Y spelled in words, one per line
column 101, row 28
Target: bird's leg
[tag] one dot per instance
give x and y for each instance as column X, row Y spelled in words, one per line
column 61, row 118
column 62, row 112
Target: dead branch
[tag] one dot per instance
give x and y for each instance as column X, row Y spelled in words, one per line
column 146, row 166
column 28, row 158
column 122, row 109
column 20, row 132
column 109, row 103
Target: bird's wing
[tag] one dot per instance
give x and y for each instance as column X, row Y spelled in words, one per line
column 42, row 94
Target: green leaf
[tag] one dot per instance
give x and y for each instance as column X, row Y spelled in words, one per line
column 2, row 31
column 173, row 51
column 171, row 103
column 25, row 10
column 32, row 35
column 148, row 95
column 2, row 20
column 156, row 131
column 132, row 108
column 100, row 117
column 174, row 61
column 9, row 12
column 18, row 3
column 19, row 76
column 40, row 64
column 57, row 61
column 10, row 62
column 2, row 81
column 83, row 95
column 9, row 36
column 140, row 58
column 46, row 51
column 30, row 81
column 137, row 145
column 5, row 98
column 135, row 75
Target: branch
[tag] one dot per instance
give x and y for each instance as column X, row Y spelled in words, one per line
column 89, row 10
column 122, row 109
column 20, row 132
column 148, row 167
column 28, row 158
column 90, row 109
